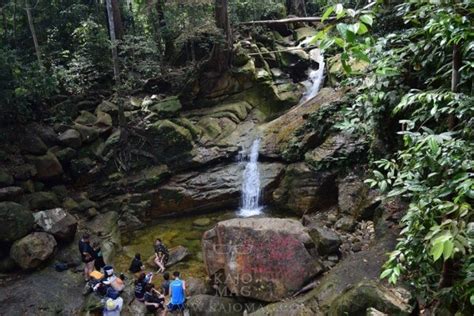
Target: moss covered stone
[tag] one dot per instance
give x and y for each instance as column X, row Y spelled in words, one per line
column 16, row 221
column 167, row 108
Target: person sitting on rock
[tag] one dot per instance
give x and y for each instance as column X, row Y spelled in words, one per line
column 112, row 280
column 161, row 255
column 87, row 255
column 178, row 295
column 137, row 265
column 113, row 303
column 140, row 284
column 153, row 299
column 98, row 258
column 165, row 286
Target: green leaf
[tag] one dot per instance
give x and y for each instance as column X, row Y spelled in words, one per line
column 362, row 29
column 448, row 249
column 327, row 13
column 339, row 8
column 385, row 273
column 437, row 250
column 360, row 55
column 367, row 19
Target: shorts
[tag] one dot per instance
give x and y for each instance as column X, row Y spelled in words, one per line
column 176, row 307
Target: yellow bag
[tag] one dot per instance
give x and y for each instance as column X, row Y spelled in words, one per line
column 96, row 275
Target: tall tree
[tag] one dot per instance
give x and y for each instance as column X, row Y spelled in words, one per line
column 33, row 31
column 117, row 17
column 222, row 52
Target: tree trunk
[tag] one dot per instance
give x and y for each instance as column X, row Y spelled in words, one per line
column 296, row 7
column 14, row 23
column 455, row 79
column 33, row 32
column 118, row 24
column 222, row 52
column 163, row 32
column 115, row 57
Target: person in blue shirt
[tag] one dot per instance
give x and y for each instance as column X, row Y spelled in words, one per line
column 177, row 295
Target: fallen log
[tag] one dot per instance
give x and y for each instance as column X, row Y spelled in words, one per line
column 302, row 19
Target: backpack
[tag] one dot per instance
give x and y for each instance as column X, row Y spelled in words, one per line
column 61, row 266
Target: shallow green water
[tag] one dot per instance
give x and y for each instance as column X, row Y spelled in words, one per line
column 175, row 232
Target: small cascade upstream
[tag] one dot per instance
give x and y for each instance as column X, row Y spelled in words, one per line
column 315, row 77
column 251, row 183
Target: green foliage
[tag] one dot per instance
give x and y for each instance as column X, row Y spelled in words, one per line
column 409, row 79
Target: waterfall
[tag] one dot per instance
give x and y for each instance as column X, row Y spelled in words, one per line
column 251, row 183
column 315, row 77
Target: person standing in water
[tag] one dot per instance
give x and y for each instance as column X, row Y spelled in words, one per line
column 161, row 255
column 178, row 295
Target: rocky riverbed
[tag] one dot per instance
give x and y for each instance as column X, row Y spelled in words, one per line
column 173, row 172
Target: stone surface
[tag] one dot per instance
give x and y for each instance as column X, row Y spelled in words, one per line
column 196, row 286
column 58, row 223
column 86, row 118
column 209, row 305
column 15, row 221
column 31, row 144
column 355, row 198
column 202, row 222
column 303, row 190
column 47, row 166
column 213, row 188
column 33, row 250
column 6, row 179
column 166, row 108
column 346, row 223
column 368, row 294
column 71, row 138
column 176, row 254
column 106, row 227
column 278, row 133
column 41, row 200
column 326, row 240
column 263, row 258
column 10, row 193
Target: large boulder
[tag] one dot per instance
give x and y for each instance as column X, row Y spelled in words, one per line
column 57, row 222
column 356, row 301
column 33, row 250
column 31, row 144
column 263, row 258
column 327, row 240
column 106, row 227
column 304, row 190
column 71, row 138
column 47, row 166
column 16, row 221
column 41, row 200
column 214, row 188
column 10, row 193
column 176, row 254
column 355, row 198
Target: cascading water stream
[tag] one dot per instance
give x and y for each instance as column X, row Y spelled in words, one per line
column 316, row 77
column 251, row 183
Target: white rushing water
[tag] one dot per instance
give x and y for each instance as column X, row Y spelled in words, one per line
column 315, row 77
column 251, row 183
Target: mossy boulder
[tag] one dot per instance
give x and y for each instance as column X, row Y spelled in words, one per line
column 86, row 118
column 304, row 32
column 169, row 139
column 47, row 166
column 71, row 138
column 33, row 250
column 31, row 144
column 210, row 126
column 107, row 107
column 167, row 108
column 41, row 200
column 369, row 294
column 16, row 221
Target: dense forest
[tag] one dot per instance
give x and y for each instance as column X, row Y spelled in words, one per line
column 401, row 79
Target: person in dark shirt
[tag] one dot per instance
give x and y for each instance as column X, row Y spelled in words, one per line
column 161, row 255
column 140, row 285
column 137, row 264
column 98, row 258
column 153, row 299
column 87, row 255
column 165, row 286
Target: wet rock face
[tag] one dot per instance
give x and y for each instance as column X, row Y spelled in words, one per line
column 57, row 222
column 214, row 188
column 33, row 250
column 303, row 190
column 15, row 221
column 263, row 258
column 210, row 305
